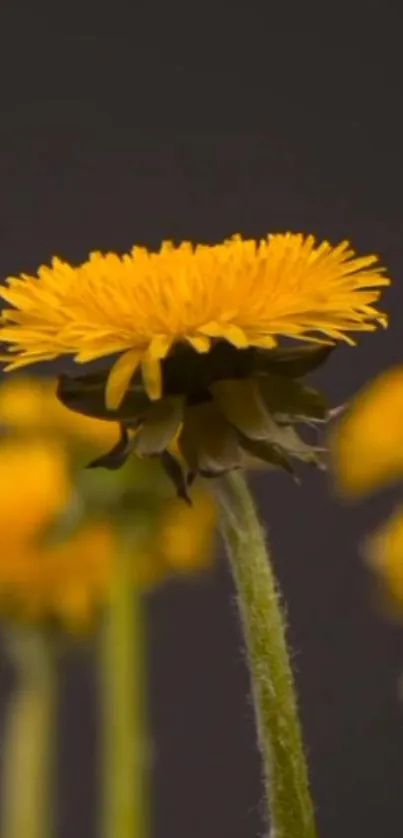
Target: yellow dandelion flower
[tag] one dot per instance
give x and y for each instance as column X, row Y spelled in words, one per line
column 66, row 581
column 175, row 541
column 202, row 325
column 30, row 404
column 47, row 574
column 187, row 535
column 183, row 542
column 41, row 579
column 34, row 488
column 367, row 445
column 384, row 551
column 143, row 303
column 367, row 453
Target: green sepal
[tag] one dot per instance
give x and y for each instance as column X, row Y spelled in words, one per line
column 188, row 373
column 177, row 474
column 292, row 361
column 286, row 397
column 241, row 403
column 268, row 452
column 207, row 441
column 117, row 456
column 160, row 424
column 293, row 446
column 86, row 394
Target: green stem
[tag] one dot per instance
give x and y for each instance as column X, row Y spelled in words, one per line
column 124, row 800
column 27, row 792
column 286, row 777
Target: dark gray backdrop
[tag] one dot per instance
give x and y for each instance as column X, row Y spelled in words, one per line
column 105, row 142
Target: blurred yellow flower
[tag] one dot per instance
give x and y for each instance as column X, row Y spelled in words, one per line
column 367, row 452
column 187, row 532
column 40, row 579
column 367, row 445
column 384, row 552
column 65, row 581
column 49, row 574
column 29, row 403
column 34, row 488
column 183, row 542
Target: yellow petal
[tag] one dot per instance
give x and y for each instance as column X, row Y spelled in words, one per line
column 152, row 377
column 367, row 446
column 201, row 343
column 120, row 376
column 227, row 331
column 284, row 284
column 265, row 342
column 160, row 346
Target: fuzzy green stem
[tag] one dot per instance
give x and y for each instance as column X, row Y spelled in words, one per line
column 27, row 794
column 279, row 734
column 124, row 802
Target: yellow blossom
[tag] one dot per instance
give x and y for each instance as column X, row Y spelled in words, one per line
column 384, row 551
column 187, row 533
column 367, row 445
column 367, row 452
column 30, row 404
column 141, row 304
column 178, row 541
column 202, row 325
column 50, row 574
column 184, row 543
column 65, row 581
column 41, row 579
column 34, row 488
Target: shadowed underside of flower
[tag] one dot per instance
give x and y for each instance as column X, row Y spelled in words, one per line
column 209, row 417
column 198, row 375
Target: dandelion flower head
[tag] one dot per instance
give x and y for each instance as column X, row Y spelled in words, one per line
column 143, row 303
column 58, row 571
column 56, row 579
column 188, row 341
column 384, row 553
column 65, row 582
column 367, row 444
column 367, row 454
column 34, row 488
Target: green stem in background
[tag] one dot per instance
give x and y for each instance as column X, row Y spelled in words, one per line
column 28, row 750
column 286, row 777
column 124, row 797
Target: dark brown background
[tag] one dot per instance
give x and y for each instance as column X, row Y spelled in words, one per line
column 238, row 125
